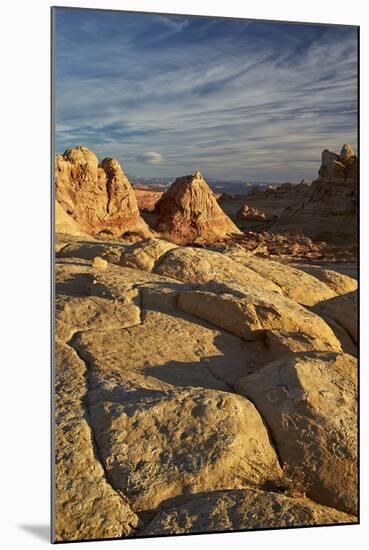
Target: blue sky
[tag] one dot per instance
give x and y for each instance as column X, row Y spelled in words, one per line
column 237, row 99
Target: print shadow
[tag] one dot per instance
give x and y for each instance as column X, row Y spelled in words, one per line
column 39, row 531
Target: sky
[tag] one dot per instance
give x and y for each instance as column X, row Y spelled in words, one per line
column 235, row 98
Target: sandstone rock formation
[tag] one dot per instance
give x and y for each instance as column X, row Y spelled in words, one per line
column 338, row 282
column 188, row 212
column 193, row 265
column 343, row 310
column 88, row 248
column 253, row 313
column 144, row 255
column 294, row 283
column 191, row 385
column 309, row 403
column 196, row 266
column 65, row 224
column 157, row 445
column 86, row 506
column 248, row 213
column 328, row 208
column 278, row 246
column 97, row 196
column 270, row 201
column 244, row 509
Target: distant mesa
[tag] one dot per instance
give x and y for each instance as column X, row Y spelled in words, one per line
column 98, row 197
column 285, row 187
column 225, row 197
column 188, row 212
column 280, row 192
column 257, row 190
column 327, row 209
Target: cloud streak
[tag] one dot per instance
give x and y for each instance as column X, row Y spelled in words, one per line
column 237, row 99
column 150, row 157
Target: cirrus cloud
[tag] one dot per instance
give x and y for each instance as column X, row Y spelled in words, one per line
column 239, row 99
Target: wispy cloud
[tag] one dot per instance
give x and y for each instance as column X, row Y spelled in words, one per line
column 150, row 157
column 237, row 99
column 173, row 23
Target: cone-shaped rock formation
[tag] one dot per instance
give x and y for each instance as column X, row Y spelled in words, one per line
column 188, row 212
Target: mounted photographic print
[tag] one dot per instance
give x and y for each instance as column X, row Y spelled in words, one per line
column 205, row 301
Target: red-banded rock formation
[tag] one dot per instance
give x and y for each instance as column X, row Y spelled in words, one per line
column 328, row 208
column 188, row 212
column 146, row 198
column 98, row 197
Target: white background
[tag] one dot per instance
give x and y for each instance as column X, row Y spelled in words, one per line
column 25, row 257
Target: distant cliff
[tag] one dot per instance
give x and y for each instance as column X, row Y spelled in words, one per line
column 328, row 208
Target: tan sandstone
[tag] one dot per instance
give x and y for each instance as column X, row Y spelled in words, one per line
column 86, row 506
column 98, row 197
column 194, row 265
column 327, row 210
column 65, row 223
column 147, row 415
column 243, row 509
column 99, row 263
column 294, row 283
column 253, row 313
column 338, row 282
column 309, row 402
column 343, row 310
column 158, row 445
column 145, row 254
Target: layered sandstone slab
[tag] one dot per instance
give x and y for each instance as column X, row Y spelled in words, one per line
column 244, row 509
column 309, row 402
column 254, row 314
column 338, row 282
column 89, row 248
column 86, row 506
column 188, row 212
column 157, row 445
column 197, row 265
column 156, row 347
column 342, row 309
column 74, row 313
column 162, row 412
column 98, row 197
column 294, row 283
column 194, row 265
column 145, row 254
